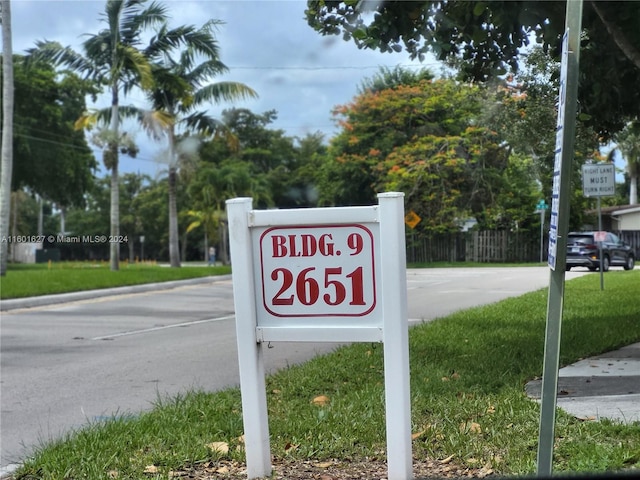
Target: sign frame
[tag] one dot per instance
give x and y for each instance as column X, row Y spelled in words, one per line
column 391, row 306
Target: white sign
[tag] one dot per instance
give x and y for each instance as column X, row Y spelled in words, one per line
column 322, row 271
column 599, row 180
column 555, row 194
column 599, row 236
column 321, row 275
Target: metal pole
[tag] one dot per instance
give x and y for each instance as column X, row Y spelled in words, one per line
column 600, row 246
column 565, row 137
column 541, row 235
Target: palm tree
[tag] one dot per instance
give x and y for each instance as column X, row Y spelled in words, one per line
column 112, row 58
column 183, row 84
column 628, row 142
column 6, row 166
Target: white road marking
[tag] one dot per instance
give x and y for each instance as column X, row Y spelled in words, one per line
column 163, row 327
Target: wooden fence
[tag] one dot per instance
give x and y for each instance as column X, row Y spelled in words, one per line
column 632, row 237
column 488, row 247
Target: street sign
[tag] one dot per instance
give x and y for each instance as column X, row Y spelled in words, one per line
column 599, row 236
column 599, row 180
column 559, row 153
column 541, row 206
column 412, row 219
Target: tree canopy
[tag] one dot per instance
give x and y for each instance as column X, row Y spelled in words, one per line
column 428, row 141
column 485, row 40
column 51, row 158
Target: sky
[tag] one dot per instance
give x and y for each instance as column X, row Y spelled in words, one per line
column 266, row 44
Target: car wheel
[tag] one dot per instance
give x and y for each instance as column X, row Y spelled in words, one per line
column 605, row 263
column 592, row 269
column 631, row 262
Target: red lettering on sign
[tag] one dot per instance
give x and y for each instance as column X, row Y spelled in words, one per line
column 304, row 245
column 318, row 271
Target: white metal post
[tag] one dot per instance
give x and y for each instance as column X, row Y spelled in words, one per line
column 396, row 336
column 250, row 357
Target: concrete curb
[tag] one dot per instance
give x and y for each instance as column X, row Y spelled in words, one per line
column 30, row 302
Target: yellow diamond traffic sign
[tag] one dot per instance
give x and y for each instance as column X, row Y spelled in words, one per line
column 412, row 219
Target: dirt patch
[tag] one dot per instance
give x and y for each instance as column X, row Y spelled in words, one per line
column 330, row 470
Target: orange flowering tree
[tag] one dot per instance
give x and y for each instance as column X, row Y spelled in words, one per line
column 426, row 140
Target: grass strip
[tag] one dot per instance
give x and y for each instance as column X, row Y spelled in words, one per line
column 468, row 372
column 41, row 279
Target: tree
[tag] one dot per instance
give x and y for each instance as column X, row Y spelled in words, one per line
column 524, row 115
column 429, row 141
column 6, row 163
column 301, row 183
column 628, row 143
column 182, row 86
column 268, row 155
column 485, row 39
column 112, row 58
column 52, row 158
column 388, row 78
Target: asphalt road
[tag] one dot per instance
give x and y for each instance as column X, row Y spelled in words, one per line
column 68, row 364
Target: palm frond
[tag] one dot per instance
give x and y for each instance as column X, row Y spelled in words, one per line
column 54, row 53
column 166, row 40
column 86, row 122
column 98, row 49
column 224, row 91
column 201, row 73
column 134, row 60
column 202, row 123
column 134, row 19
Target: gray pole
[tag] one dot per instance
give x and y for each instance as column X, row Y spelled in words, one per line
column 566, row 128
column 541, row 235
column 600, row 245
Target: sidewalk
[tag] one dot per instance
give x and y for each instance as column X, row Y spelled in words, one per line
column 604, row 386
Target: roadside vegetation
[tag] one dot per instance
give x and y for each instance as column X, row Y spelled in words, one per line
column 62, row 277
column 468, row 373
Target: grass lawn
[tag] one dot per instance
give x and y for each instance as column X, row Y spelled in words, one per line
column 62, row 277
column 468, row 372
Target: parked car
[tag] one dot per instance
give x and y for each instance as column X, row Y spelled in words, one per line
column 583, row 250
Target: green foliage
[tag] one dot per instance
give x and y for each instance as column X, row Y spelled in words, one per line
column 142, row 212
column 388, row 78
column 428, row 140
column 523, row 113
column 262, row 162
column 628, row 143
column 484, row 40
column 51, row 158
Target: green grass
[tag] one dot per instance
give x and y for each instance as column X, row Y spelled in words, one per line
column 468, row 372
column 62, row 277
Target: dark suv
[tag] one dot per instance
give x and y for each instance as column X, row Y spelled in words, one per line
column 584, row 251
